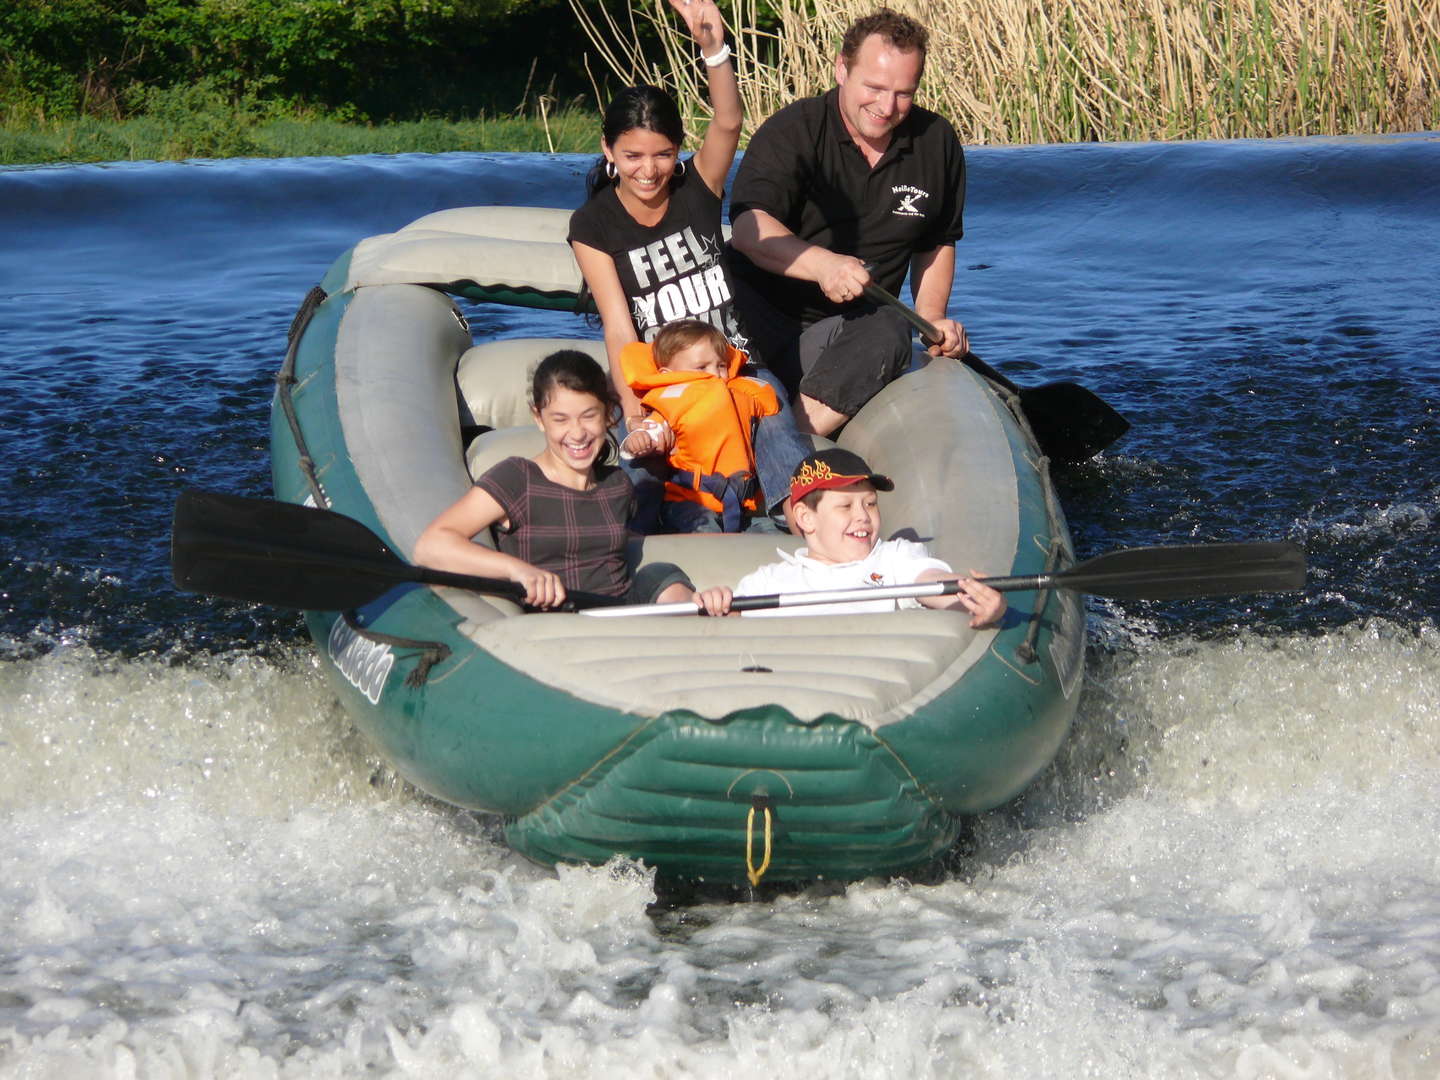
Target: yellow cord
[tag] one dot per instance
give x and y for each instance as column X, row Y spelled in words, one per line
column 750, row 871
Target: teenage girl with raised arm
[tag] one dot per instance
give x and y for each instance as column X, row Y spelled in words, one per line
column 648, row 239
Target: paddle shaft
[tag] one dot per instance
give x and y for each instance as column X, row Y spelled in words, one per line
column 263, row 551
column 928, row 333
column 1173, row 572
column 931, row 336
column 1071, row 423
column 575, row 600
column 778, row 600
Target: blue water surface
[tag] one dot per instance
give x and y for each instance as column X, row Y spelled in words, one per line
column 1263, row 312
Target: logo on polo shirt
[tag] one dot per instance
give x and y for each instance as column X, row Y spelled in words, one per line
column 910, row 198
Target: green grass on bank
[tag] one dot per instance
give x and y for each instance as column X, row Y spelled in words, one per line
column 223, row 135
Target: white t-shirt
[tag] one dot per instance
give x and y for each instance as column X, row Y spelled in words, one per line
column 890, row 562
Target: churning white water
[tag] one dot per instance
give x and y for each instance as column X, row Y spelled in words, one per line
column 1232, row 871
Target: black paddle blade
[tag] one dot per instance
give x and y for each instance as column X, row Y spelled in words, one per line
column 1186, row 570
column 1071, row 424
column 266, row 552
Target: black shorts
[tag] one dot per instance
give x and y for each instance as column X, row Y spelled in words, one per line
column 845, row 360
column 841, row 361
column 649, row 581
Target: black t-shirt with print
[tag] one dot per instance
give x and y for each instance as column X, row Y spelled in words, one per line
column 803, row 168
column 673, row 270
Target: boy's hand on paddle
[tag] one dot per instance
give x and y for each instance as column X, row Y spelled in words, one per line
column 985, row 605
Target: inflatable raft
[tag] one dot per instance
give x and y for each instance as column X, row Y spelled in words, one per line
column 713, row 749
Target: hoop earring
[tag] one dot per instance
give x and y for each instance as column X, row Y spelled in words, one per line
column 610, row 169
column 679, row 167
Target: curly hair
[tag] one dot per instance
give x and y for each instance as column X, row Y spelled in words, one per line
column 901, row 31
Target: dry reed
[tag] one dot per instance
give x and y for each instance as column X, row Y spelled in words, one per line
column 1010, row 71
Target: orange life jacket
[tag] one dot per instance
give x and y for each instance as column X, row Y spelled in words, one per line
column 712, row 420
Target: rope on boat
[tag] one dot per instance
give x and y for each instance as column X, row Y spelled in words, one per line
column 1025, row 651
column 751, row 871
column 284, row 389
column 430, row 652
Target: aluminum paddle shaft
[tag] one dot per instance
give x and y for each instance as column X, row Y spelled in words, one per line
column 1149, row 573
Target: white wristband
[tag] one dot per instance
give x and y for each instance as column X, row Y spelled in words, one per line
column 719, row 58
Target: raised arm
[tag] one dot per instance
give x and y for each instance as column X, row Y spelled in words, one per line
column 716, row 154
column 932, row 275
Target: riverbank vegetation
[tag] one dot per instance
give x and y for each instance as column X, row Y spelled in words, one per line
column 199, row 122
column 96, row 80
column 1048, row 71
column 101, row 80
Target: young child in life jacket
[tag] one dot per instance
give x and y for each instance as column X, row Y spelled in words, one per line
column 686, row 381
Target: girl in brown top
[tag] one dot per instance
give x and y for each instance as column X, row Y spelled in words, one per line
column 560, row 516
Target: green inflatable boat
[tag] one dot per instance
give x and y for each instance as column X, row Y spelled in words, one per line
column 721, row 750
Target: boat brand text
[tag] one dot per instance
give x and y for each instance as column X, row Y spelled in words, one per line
column 365, row 664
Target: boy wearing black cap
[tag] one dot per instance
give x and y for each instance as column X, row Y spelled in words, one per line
column 833, row 497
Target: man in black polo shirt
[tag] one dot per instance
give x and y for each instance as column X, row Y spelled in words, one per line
column 828, row 184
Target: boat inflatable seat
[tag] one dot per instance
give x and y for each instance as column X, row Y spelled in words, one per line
column 486, row 252
column 489, row 448
column 504, row 254
column 874, row 669
column 493, row 379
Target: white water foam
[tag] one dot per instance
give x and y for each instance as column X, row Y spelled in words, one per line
column 1232, row 871
column 1376, row 521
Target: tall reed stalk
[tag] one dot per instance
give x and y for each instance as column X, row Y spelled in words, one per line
column 1035, row 71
